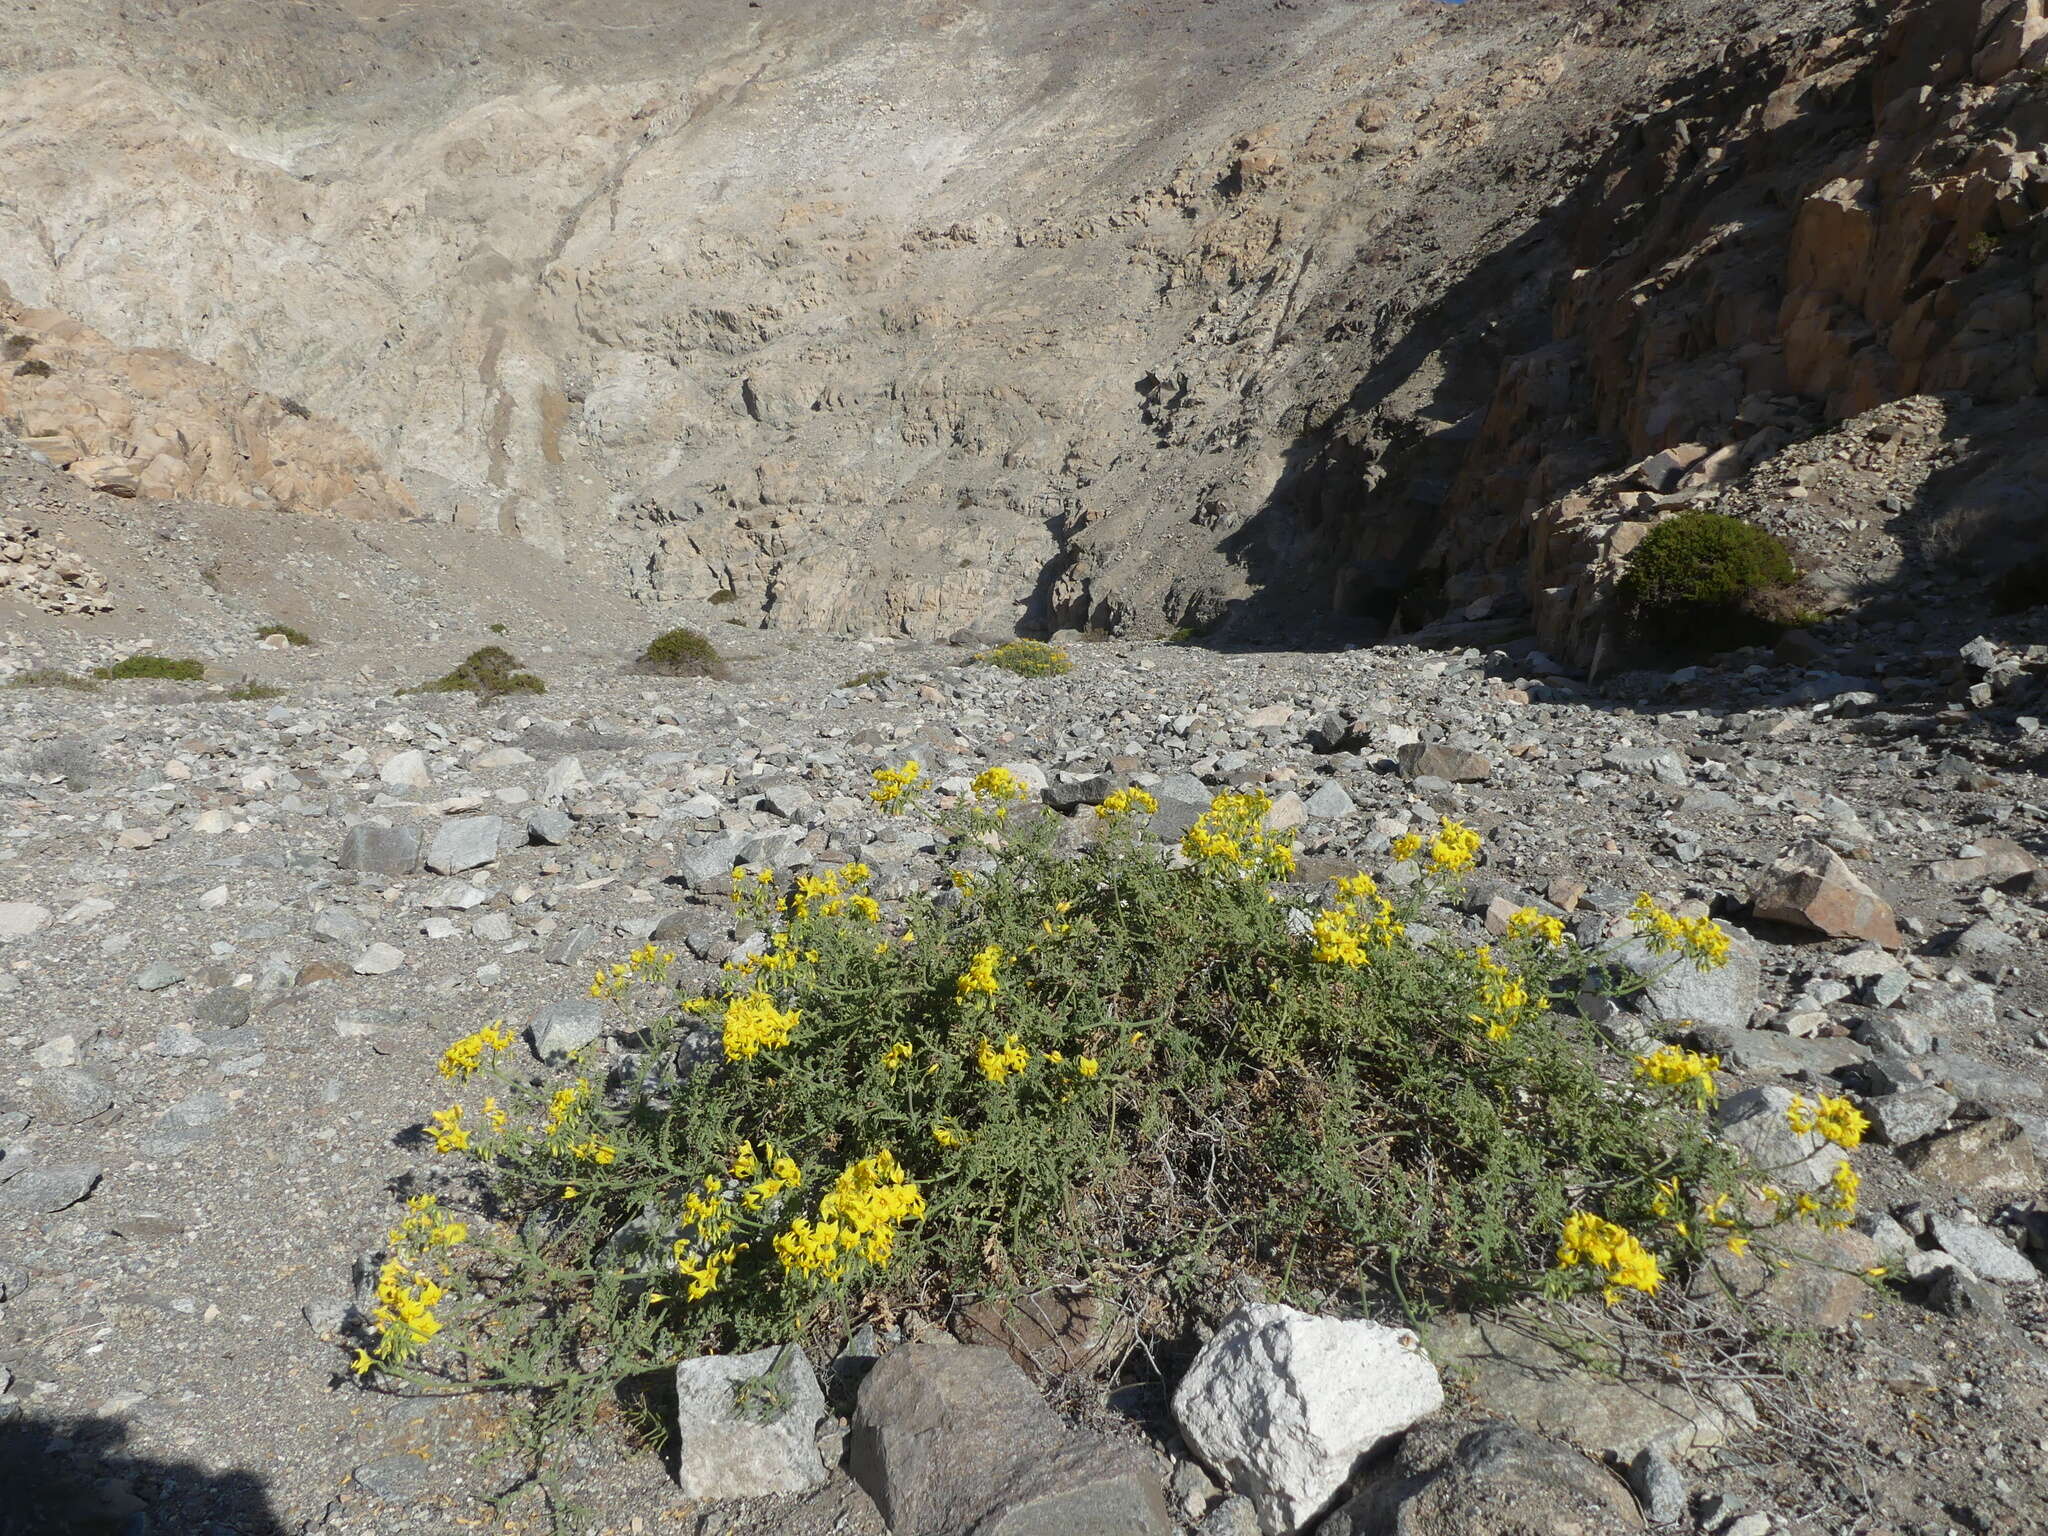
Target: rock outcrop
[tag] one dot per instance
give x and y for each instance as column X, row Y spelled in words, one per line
column 156, row 423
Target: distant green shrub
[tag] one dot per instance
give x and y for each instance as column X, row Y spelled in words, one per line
column 486, row 673
column 496, row 629
column 245, row 691
column 681, row 653
column 168, row 669
column 866, row 679
column 293, row 636
column 34, row 368
column 725, row 595
column 1027, row 658
column 53, row 677
column 1706, row 580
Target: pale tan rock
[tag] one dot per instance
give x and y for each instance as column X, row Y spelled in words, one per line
column 1810, row 886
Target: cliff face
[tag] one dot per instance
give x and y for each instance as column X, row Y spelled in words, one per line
column 1806, row 229
column 899, row 317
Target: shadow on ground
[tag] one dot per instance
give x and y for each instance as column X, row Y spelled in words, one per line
column 77, row 1477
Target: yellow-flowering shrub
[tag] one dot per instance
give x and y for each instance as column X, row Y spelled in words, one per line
column 1150, row 1072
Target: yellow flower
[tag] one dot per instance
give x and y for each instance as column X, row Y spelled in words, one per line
column 1836, row 1119
column 978, row 982
column 1529, row 923
column 897, row 1056
column 1126, row 802
column 1699, row 939
column 1591, row 1242
column 1087, row 1066
column 895, row 787
column 1455, row 847
column 1229, row 839
column 448, row 1134
column 1406, row 846
column 860, row 1216
column 753, row 1023
column 948, row 1135
column 460, row 1061
column 1000, row 788
column 997, row 1065
column 1670, row 1066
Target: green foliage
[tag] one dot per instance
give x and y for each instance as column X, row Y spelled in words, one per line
column 1097, row 1067
column 52, row 677
column 1983, row 246
column 165, row 668
column 1027, row 658
column 723, row 596
column 487, row 673
column 866, row 679
column 247, row 691
column 496, row 629
column 681, row 653
column 1706, row 580
column 292, row 636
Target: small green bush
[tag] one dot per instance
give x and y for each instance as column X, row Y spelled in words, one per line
column 487, row 673
column 1165, row 1083
column 496, row 629
column 1703, row 580
column 53, row 677
column 246, row 691
column 34, row 368
column 866, row 679
column 292, row 636
column 723, row 596
column 1027, row 658
column 681, row 653
column 163, row 668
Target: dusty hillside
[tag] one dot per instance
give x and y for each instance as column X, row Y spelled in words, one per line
column 890, row 317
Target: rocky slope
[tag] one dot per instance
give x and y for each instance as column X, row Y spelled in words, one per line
column 885, row 320
column 226, row 995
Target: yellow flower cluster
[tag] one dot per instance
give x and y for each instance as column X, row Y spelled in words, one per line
column 948, row 1134
column 1230, row 839
column 753, row 1024
column 1504, row 998
column 1836, row 1119
column 1347, row 933
column 1529, row 923
column 647, row 963
column 1674, row 1067
column 782, row 954
column 999, row 1064
column 897, row 787
column 778, row 1173
column 978, row 982
column 447, row 1131
column 860, row 1215
column 1624, row 1264
column 1699, row 939
column 999, row 789
column 897, row 1056
column 565, row 1107
column 594, row 1149
column 1126, row 802
column 461, row 1060
column 409, row 1284
column 1453, row 850
column 835, row 893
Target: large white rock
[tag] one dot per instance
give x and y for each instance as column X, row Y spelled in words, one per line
column 1283, row 1404
column 747, row 1425
column 406, row 770
column 19, row 919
